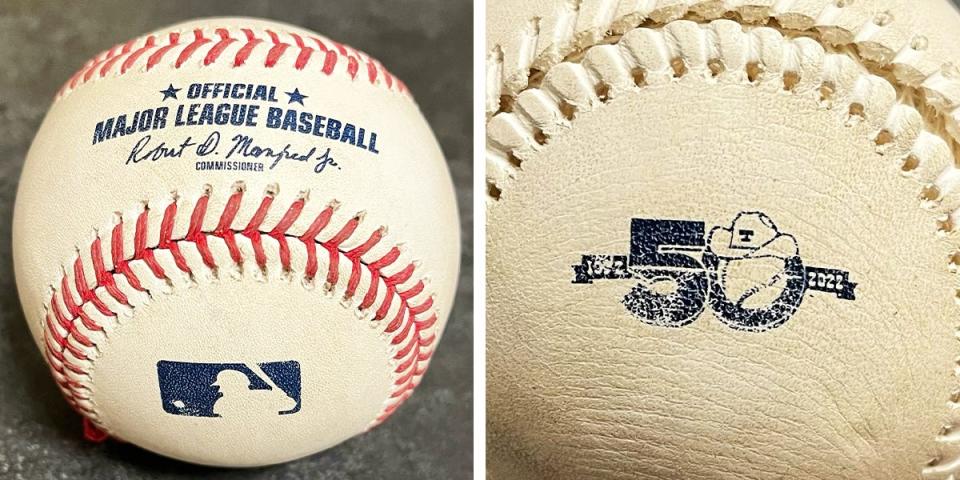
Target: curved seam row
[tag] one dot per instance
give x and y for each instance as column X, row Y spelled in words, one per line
column 198, row 48
column 71, row 331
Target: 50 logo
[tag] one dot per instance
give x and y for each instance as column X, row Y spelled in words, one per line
column 750, row 274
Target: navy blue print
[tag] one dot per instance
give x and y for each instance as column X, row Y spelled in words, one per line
column 227, row 389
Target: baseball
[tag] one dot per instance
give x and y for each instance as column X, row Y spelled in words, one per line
column 722, row 239
column 236, row 242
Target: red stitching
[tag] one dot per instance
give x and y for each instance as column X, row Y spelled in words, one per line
column 157, row 47
column 225, row 41
column 244, row 52
column 330, row 58
column 109, row 63
column 64, row 313
column 273, row 56
column 198, row 41
column 154, row 59
column 305, row 52
column 148, row 45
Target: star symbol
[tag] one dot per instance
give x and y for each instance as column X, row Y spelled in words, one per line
column 296, row 96
column 170, row 92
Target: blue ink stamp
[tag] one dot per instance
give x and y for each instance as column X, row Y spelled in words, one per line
column 680, row 270
column 229, row 390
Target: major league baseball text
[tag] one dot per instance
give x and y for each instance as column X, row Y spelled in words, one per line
column 241, row 151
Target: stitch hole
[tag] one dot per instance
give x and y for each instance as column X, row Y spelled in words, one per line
column 271, row 190
column 843, row 3
column 493, row 191
column 883, row 19
column 951, row 71
column 516, row 162
column 857, row 111
column 679, row 67
column 919, row 43
column 953, row 265
column 567, row 110
column 883, row 138
column 910, row 163
column 539, row 136
column 790, row 80
column 930, row 196
column 639, row 76
column 716, row 66
column 506, row 103
column 753, row 71
column 603, row 92
column 827, row 91
column 945, row 224
column 535, row 79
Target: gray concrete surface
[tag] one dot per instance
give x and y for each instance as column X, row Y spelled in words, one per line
column 427, row 43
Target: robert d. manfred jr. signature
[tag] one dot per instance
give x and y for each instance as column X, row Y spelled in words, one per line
column 241, row 146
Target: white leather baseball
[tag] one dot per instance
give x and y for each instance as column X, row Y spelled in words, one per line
column 236, row 242
column 722, row 239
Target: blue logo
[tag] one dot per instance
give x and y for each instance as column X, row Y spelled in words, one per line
column 229, row 390
column 748, row 273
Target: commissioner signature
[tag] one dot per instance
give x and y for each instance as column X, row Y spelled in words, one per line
column 239, row 146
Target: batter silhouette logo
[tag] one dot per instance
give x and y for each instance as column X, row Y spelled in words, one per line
column 749, row 273
column 229, row 390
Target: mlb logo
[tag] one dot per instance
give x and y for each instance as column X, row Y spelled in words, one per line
column 229, row 390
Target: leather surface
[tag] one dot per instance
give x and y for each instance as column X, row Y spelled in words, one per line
column 69, row 189
column 578, row 387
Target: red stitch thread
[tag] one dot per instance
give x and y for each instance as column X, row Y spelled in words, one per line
column 92, row 68
column 371, row 71
column 273, row 56
column 126, row 55
column 132, row 58
column 119, row 263
column 305, row 52
column 198, row 41
column 225, row 41
column 109, row 63
column 279, row 232
column 155, row 58
column 406, row 325
column 92, row 433
column 330, row 57
column 244, row 53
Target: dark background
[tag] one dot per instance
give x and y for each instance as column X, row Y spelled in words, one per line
column 426, row 43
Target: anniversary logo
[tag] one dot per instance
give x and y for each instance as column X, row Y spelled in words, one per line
column 241, row 105
column 749, row 273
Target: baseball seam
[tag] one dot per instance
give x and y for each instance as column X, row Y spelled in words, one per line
column 237, row 46
column 117, row 278
column 911, row 107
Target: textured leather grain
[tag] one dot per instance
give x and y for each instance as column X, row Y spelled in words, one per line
column 676, row 111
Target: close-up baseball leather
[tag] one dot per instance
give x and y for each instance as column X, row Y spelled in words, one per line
column 722, row 239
